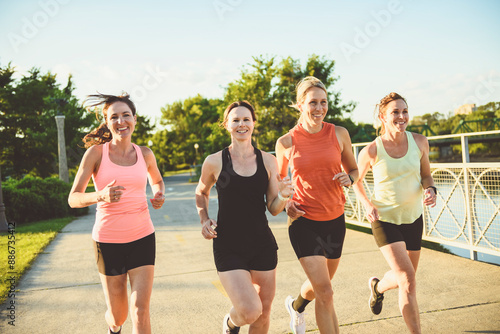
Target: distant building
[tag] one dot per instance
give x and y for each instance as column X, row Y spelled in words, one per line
column 466, row 109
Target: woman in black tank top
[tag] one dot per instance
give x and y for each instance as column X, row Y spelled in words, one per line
column 245, row 251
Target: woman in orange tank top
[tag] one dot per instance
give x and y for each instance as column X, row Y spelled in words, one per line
column 317, row 152
column 123, row 232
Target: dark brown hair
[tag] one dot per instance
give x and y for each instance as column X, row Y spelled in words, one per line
column 382, row 107
column 102, row 134
column 236, row 104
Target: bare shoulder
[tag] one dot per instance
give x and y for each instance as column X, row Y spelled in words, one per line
column 342, row 136
column 369, row 151
column 421, row 140
column 341, row 130
column 93, row 153
column 146, row 151
column 284, row 142
column 268, row 158
column 213, row 161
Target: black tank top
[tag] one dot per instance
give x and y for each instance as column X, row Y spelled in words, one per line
column 242, row 223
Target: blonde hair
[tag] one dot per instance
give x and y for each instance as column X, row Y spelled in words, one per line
column 303, row 86
column 381, row 108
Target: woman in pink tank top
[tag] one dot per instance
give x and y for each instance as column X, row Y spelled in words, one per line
column 317, row 151
column 123, row 232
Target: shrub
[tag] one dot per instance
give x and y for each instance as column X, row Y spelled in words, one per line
column 33, row 199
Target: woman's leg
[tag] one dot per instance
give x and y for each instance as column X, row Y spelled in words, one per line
column 265, row 285
column 307, row 291
column 403, row 265
column 141, row 285
column 115, row 292
column 319, row 271
column 247, row 306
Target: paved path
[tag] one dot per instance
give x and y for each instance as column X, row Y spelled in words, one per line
column 61, row 293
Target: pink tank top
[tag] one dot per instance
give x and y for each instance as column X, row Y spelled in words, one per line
column 315, row 160
column 127, row 220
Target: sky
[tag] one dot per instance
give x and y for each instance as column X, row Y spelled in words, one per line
column 437, row 54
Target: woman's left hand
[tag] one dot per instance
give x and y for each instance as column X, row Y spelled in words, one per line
column 430, row 197
column 343, row 179
column 158, row 200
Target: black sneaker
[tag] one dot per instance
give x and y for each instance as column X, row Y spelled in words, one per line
column 376, row 298
column 225, row 327
column 119, row 331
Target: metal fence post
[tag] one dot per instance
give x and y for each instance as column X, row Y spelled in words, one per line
column 466, row 159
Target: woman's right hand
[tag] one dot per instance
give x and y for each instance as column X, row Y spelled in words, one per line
column 371, row 213
column 292, row 211
column 208, row 229
column 110, row 193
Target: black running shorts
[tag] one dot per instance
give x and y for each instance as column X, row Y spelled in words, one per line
column 117, row 259
column 263, row 259
column 311, row 237
column 387, row 233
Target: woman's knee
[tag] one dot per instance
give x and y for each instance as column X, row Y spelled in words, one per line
column 140, row 313
column 324, row 293
column 250, row 313
column 407, row 281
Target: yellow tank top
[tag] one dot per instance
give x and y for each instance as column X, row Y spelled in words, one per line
column 397, row 189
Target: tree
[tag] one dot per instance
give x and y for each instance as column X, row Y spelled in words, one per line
column 142, row 131
column 27, row 126
column 189, row 122
column 270, row 87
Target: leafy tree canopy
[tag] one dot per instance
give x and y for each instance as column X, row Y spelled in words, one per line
column 28, row 131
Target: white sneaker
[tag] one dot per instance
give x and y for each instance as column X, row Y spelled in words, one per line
column 225, row 327
column 297, row 321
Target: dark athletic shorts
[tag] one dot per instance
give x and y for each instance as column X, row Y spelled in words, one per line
column 263, row 259
column 311, row 237
column 387, row 233
column 117, row 259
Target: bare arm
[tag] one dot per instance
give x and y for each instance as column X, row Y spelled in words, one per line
column 78, row 198
column 210, row 170
column 347, row 159
column 366, row 159
column 276, row 186
column 427, row 181
column 283, row 148
column 155, row 178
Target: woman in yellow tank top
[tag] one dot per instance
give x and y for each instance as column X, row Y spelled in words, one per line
column 401, row 172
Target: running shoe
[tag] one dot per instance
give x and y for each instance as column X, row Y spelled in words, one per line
column 119, row 331
column 376, row 298
column 297, row 321
column 225, row 327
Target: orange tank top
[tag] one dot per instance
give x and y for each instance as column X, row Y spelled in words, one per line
column 127, row 220
column 315, row 159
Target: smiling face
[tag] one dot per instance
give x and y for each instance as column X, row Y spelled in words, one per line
column 314, row 106
column 120, row 120
column 395, row 117
column 240, row 123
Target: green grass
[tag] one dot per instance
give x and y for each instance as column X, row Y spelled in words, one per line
column 26, row 242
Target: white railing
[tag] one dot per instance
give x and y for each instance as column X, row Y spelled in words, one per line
column 467, row 212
